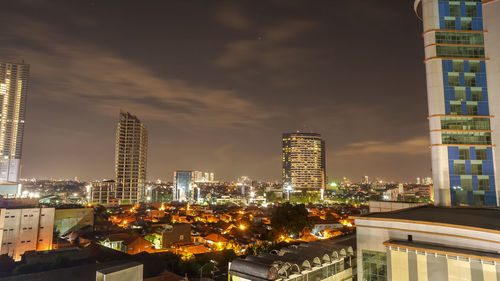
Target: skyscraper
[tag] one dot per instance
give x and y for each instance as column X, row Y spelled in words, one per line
column 183, row 185
column 13, row 92
column 131, row 157
column 303, row 162
column 462, row 60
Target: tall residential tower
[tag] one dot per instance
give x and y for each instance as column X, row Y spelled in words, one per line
column 462, row 60
column 131, row 156
column 13, row 92
column 304, row 167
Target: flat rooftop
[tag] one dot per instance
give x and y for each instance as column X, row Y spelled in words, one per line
column 486, row 218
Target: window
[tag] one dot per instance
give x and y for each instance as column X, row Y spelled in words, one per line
column 455, row 109
column 374, row 265
column 466, row 23
column 470, row 81
column 475, row 66
column 465, row 123
column 453, row 79
column 466, row 138
column 472, row 109
column 460, row 51
column 466, row 182
column 464, row 153
column 476, row 94
column 470, row 11
column 459, row 38
column 481, row 153
column 483, row 182
column 454, row 10
column 477, row 169
column 460, row 94
column 458, row 66
column 459, row 167
column 478, row 197
column 449, row 23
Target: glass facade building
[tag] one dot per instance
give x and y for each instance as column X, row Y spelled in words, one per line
column 458, row 59
column 184, row 185
column 13, row 92
column 304, row 166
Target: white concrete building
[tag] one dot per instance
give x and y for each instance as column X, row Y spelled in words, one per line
column 26, row 229
column 429, row 243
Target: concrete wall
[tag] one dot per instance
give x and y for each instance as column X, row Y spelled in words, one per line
column 66, row 220
column 26, row 230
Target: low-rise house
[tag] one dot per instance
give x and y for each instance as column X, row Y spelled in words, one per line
column 177, row 233
column 127, row 243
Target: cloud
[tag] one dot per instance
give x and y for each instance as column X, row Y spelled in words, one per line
column 233, row 16
column 413, row 146
column 76, row 71
column 267, row 45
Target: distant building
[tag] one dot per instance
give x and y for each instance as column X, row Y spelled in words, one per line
column 183, row 186
column 24, row 230
column 429, row 243
column 325, row 260
column 462, row 59
column 200, row 177
column 303, row 163
column 14, row 90
column 102, row 192
column 131, row 157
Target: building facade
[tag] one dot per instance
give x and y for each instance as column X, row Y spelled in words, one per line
column 184, row 186
column 203, row 177
column 13, row 89
column 429, row 243
column 22, row 230
column 131, row 158
column 304, row 163
column 102, row 192
column 461, row 41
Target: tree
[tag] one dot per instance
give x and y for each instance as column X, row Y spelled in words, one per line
column 289, row 219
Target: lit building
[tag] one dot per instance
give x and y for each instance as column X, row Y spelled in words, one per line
column 102, row 192
column 28, row 229
column 203, row 176
column 462, row 60
column 131, row 157
column 429, row 243
column 13, row 90
column 321, row 260
column 303, row 160
column 184, row 185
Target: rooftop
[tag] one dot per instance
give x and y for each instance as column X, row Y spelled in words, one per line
column 485, row 218
column 442, row 249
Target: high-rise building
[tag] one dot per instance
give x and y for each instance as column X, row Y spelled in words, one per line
column 28, row 229
column 13, row 92
column 184, row 185
column 131, row 157
column 462, row 60
column 203, row 177
column 303, row 162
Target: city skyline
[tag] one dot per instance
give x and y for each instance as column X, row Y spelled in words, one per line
column 208, row 104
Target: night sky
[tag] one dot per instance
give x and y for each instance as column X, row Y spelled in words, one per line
column 218, row 82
